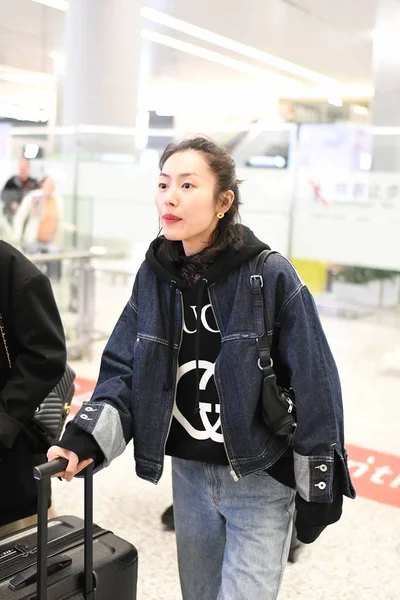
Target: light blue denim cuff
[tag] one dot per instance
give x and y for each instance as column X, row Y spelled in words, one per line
column 314, row 477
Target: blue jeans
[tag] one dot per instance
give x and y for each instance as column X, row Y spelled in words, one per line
column 233, row 538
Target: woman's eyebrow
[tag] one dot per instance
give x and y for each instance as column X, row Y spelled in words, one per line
column 180, row 175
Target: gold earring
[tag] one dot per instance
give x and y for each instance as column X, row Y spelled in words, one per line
column 220, row 215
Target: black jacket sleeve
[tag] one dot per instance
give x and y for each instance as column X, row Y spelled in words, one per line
column 39, row 356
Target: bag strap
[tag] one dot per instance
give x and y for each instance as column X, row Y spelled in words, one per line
column 3, row 336
column 256, row 284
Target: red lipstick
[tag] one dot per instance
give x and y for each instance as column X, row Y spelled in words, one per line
column 170, row 219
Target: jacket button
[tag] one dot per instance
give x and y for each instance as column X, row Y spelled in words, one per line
column 322, row 468
column 321, row 485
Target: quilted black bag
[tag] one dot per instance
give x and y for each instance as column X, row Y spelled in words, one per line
column 54, row 409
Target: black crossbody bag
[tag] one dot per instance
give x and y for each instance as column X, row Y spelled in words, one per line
column 279, row 410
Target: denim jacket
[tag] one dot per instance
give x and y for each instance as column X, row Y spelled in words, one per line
column 131, row 400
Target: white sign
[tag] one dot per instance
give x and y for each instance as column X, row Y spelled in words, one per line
column 362, row 189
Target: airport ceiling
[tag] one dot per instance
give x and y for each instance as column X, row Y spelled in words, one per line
column 332, row 38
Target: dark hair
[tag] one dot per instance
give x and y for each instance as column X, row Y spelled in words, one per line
column 226, row 234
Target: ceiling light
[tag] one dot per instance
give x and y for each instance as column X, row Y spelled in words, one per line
column 59, row 4
column 230, row 44
column 222, row 59
column 335, row 102
column 277, row 162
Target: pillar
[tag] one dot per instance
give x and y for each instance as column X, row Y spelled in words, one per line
column 102, row 71
column 386, row 76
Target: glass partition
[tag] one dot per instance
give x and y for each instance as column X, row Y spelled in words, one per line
column 313, row 192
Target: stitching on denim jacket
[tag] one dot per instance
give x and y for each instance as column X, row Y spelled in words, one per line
column 133, row 306
column 239, row 336
column 214, row 304
column 300, row 286
column 153, row 338
column 149, row 463
column 292, row 296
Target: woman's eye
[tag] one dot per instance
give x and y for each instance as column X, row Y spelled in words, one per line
column 162, row 186
column 187, row 186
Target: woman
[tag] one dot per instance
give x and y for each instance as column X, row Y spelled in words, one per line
column 32, row 362
column 37, row 222
column 179, row 375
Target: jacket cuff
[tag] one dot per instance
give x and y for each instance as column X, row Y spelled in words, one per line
column 9, row 429
column 102, row 422
column 82, row 443
column 314, row 476
column 313, row 517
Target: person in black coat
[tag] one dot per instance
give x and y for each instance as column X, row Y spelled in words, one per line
column 16, row 188
column 32, row 362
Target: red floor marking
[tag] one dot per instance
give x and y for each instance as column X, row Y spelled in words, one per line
column 375, row 475
column 83, row 385
column 83, row 390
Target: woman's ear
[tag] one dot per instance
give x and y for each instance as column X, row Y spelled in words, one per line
column 226, row 200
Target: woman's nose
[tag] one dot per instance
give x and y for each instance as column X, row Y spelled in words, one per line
column 170, row 198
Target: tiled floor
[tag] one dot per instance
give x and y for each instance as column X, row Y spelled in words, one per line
column 356, row 559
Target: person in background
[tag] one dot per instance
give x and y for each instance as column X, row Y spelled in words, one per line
column 180, row 376
column 37, row 222
column 16, row 188
column 32, row 362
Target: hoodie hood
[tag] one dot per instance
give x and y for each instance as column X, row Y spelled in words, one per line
column 224, row 263
column 169, row 271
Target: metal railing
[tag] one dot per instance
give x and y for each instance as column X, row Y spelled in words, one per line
column 73, row 278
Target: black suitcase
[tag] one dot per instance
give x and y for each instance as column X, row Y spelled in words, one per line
column 67, row 558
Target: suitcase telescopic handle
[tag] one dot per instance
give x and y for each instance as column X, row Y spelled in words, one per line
column 49, row 469
column 42, row 474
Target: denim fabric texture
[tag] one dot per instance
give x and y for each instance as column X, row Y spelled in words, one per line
column 233, row 538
